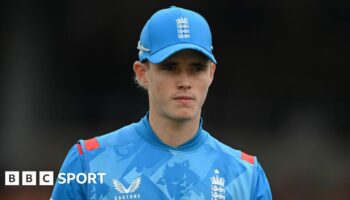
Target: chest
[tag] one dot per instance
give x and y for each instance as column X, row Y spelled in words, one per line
column 153, row 174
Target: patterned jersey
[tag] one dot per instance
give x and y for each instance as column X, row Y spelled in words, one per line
column 138, row 165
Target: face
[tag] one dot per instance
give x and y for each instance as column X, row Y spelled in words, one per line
column 178, row 86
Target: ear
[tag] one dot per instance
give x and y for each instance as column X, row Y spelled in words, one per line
column 212, row 71
column 140, row 70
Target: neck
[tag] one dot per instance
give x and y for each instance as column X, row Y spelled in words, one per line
column 173, row 132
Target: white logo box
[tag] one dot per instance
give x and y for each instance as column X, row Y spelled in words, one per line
column 28, row 178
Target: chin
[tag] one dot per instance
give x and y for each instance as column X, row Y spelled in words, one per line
column 184, row 115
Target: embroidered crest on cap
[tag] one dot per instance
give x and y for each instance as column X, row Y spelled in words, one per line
column 183, row 30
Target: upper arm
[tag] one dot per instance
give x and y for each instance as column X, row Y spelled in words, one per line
column 261, row 188
column 72, row 164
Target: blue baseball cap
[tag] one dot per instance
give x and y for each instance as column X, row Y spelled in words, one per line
column 171, row 30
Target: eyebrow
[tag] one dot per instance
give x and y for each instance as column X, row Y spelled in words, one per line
column 204, row 64
column 168, row 63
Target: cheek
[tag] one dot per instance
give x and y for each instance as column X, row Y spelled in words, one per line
column 158, row 87
column 204, row 91
column 204, row 87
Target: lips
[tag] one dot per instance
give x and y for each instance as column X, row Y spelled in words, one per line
column 183, row 99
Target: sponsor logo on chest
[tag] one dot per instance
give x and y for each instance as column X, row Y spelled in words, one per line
column 127, row 192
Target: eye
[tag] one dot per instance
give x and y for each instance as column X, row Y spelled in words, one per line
column 168, row 66
column 198, row 67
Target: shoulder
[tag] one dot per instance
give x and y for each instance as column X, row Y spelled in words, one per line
column 120, row 137
column 249, row 165
column 231, row 153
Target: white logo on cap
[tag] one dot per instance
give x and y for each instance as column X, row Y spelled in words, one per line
column 183, row 30
column 141, row 48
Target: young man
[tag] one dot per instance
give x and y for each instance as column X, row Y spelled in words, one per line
column 167, row 154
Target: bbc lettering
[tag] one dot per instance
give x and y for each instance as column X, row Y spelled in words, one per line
column 29, row 178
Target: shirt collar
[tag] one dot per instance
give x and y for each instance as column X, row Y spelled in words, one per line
column 145, row 130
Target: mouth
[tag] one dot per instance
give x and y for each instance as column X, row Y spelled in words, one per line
column 184, row 99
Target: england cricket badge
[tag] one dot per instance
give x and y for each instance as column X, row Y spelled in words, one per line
column 217, row 186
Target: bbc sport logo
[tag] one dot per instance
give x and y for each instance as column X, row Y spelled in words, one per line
column 46, row 178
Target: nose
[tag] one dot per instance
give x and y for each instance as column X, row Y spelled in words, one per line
column 184, row 82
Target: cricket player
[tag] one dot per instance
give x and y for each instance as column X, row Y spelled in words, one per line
column 167, row 155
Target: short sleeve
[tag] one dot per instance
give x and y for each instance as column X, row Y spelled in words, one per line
column 261, row 188
column 73, row 190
